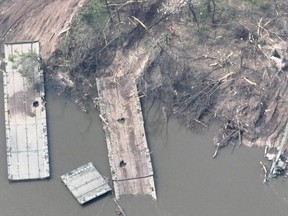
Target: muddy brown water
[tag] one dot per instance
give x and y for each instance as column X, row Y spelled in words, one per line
column 188, row 180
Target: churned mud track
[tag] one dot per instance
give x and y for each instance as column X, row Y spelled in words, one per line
column 42, row 20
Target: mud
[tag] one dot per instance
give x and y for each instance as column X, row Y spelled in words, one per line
column 205, row 67
column 44, row 20
column 207, row 62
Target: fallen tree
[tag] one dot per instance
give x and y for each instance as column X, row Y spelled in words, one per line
column 207, row 61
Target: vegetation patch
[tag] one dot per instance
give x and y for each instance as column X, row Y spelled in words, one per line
column 25, row 64
column 94, row 13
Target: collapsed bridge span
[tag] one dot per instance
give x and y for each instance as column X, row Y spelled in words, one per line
column 128, row 152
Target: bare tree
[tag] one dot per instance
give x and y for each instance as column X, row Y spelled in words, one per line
column 211, row 7
column 192, row 10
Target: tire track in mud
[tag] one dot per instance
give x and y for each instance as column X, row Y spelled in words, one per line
column 36, row 20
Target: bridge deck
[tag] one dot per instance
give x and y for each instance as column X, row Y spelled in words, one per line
column 25, row 113
column 129, row 156
column 85, row 183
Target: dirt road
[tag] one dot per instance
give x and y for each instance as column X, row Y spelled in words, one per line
column 42, row 20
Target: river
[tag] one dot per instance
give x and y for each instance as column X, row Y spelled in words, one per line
column 188, row 180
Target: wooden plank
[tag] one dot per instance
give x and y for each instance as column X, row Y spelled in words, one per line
column 128, row 152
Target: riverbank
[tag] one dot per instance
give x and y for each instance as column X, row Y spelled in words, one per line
column 36, row 20
column 205, row 63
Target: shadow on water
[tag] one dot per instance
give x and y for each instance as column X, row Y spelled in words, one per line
column 106, row 197
column 188, row 180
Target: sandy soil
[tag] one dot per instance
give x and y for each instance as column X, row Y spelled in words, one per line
column 42, row 20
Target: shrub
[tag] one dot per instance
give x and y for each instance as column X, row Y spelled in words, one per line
column 94, row 13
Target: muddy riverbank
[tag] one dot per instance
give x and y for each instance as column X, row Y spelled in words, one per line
column 204, row 64
column 213, row 67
